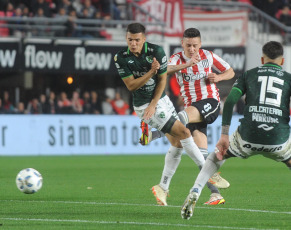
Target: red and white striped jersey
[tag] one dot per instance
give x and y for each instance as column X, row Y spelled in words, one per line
column 193, row 81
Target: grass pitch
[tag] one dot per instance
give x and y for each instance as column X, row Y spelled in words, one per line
column 113, row 192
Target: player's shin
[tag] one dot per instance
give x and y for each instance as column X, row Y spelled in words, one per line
column 172, row 160
column 193, row 151
column 211, row 166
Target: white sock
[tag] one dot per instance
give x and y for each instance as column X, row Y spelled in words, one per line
column 193, row 151
column 204, row 152
column 172, row 160
column 183, row 116
column 210, row 167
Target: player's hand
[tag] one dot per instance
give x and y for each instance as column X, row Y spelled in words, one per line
column 155, row 66
column 194, row 60
column 149, row 112
column 222, row 146
column 213, row 77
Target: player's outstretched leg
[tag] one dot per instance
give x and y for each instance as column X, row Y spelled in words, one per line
column 189, row 204
column 215, row 199
column 218, row 181
column 160, row 194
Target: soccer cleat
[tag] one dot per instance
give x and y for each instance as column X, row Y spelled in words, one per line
column 188, row 206
column 146, row 134
column 160, row 194
column 215, row 199
column 218, row 181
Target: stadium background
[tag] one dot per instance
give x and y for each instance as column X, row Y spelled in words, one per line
column 39, row 60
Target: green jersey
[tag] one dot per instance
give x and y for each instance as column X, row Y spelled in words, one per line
column 266, row 114
column 128, row 65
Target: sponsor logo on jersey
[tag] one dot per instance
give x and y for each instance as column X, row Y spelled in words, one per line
column 162, row 115
column 117, row 65
column 193, row 77
column 149, row 59
column 130, row 61
column 280, row 73
column 262, row 148
column 164, row 59
column 204, row 63
column 139, row 74
column 265, row 127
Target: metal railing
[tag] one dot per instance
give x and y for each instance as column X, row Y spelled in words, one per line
column 67, row 26
column 261, row 25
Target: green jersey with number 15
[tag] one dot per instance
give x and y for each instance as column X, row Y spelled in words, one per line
column 266, row 114
column 128, row 65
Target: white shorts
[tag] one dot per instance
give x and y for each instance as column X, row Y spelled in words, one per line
column 244, row 149
column 164, row 111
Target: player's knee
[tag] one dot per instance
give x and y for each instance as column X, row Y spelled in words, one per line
column 185, row 133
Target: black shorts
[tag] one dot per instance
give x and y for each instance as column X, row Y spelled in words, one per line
column 209, row 109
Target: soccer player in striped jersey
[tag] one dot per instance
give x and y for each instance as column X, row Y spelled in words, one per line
column 264, row 129
column 193, row 70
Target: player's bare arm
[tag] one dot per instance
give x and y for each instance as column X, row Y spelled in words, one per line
column 226, row 75
column 135, row 83
column 171, row 69
column 150, row 110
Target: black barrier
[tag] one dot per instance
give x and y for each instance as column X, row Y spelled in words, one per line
column 50, row 56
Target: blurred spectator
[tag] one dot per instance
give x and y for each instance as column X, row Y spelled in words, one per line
column 40, row 4
column 90, row 8
column 20, row 108
column 96, row 105
column 25, row 11
column 77, row 102
column 107, row 107
column 87, row 107
column 5, row 11
column 71, row 30
column 270, row 7
column 34, row 107
column 18, row 32
column 43, row 103
column 61, row 15
column 66, row 5
column 285, row 16
column 64, row 104
column 1, row 107
column 119, row 105
column 6, row 103
column 40, row 23
column 51, row 104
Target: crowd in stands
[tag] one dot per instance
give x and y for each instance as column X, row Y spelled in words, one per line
column 109, row 102
column 68, row 10
column 90, row 102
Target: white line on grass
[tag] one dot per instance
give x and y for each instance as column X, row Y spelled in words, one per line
column 151, row 205
column 132, row 223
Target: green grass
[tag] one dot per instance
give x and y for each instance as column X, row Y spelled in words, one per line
column 119, row 195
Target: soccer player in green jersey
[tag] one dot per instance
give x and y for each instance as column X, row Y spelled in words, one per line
column 143, row 69
column 264, row 129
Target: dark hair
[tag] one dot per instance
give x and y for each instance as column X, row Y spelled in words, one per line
column 273, row 49
column 135, row 28
column 191, row 33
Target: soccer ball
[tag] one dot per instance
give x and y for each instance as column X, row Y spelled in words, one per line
column 29, row 181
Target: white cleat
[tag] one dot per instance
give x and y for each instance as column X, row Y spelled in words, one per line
column 188, row 206
column 160, row 194
column 218, row 181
